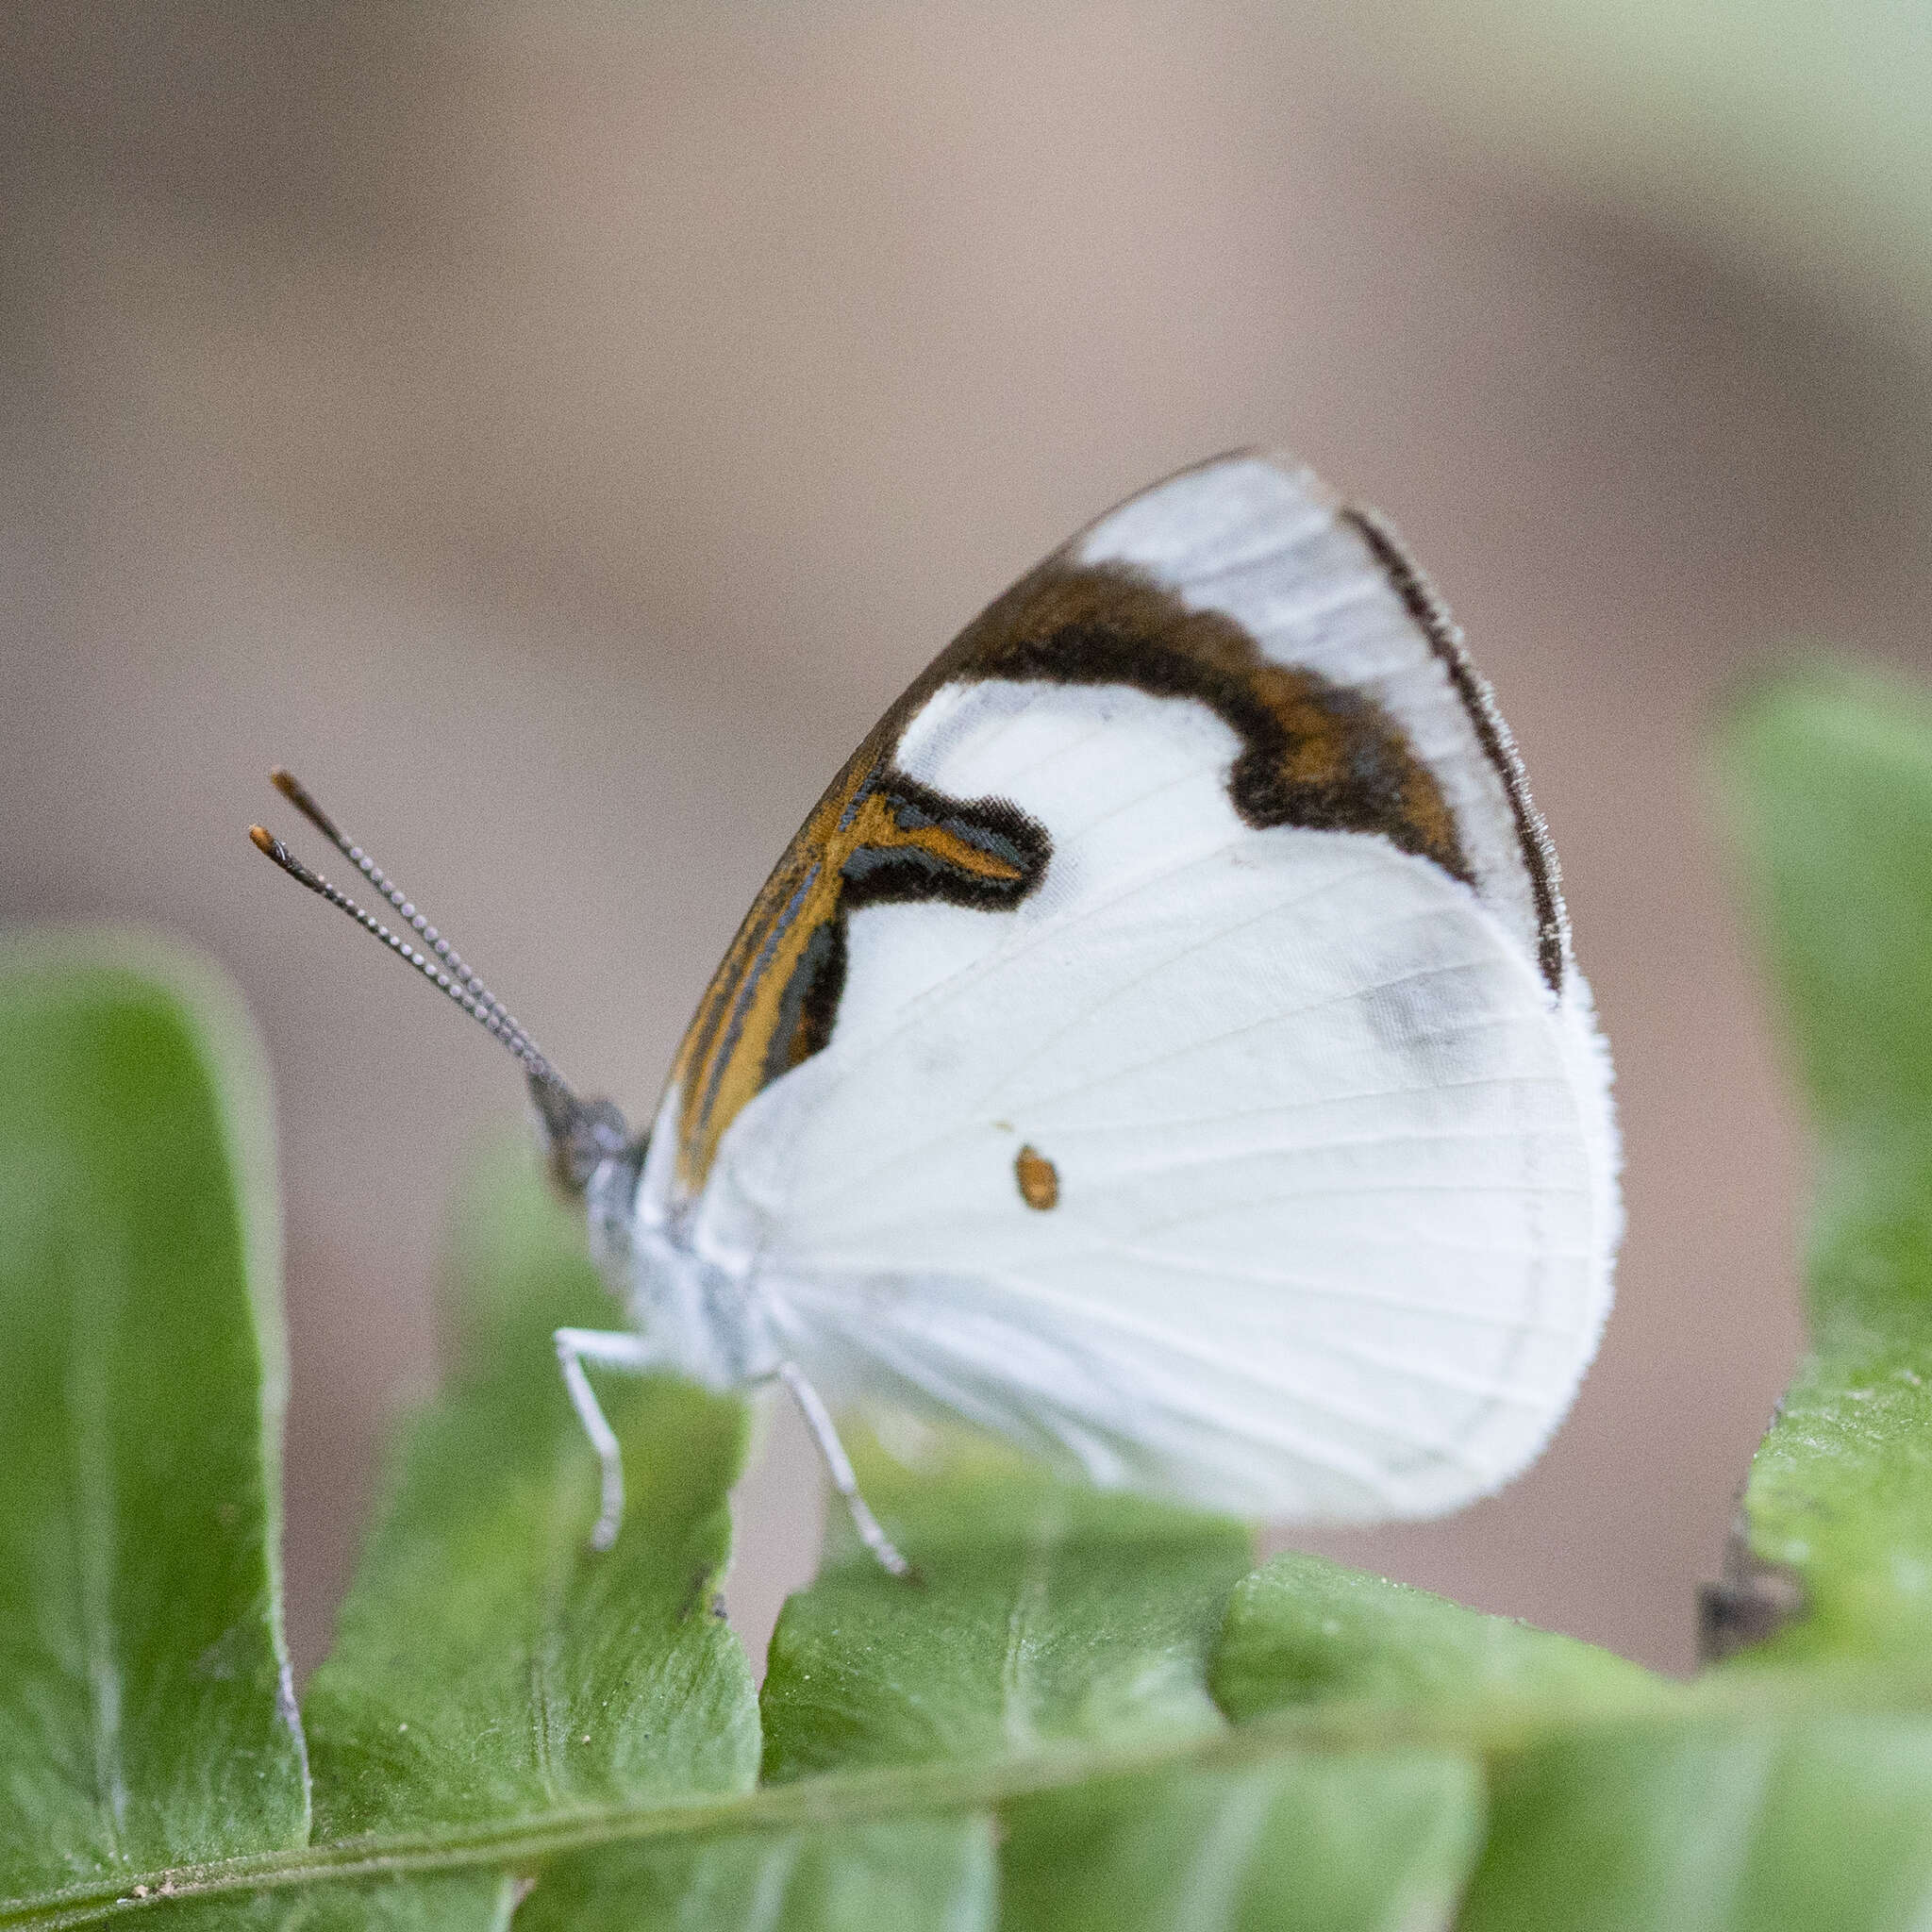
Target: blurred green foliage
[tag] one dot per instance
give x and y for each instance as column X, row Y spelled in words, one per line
column 1792, row 140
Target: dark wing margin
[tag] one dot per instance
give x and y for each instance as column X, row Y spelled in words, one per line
column 1432, row 618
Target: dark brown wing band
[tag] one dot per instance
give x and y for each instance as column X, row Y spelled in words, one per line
column 1311, row 753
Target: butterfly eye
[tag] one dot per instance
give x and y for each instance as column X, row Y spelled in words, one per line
column 1038, row 1179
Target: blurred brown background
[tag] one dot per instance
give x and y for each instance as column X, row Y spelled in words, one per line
column 557, row 431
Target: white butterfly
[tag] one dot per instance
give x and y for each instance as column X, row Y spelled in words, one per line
column 1161, row 1046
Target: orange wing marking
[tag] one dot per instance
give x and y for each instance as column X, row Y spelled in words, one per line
column 876, row 836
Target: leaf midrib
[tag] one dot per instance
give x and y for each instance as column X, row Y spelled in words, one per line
column 834, row 1798
column 859, row 1797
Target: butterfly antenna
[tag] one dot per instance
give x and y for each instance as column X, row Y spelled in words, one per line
column 581, row 1133
column 304, row 801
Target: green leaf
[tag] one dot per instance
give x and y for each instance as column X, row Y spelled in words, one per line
column 1352, row 1839
column 1051, row 1623
column 1054, row 1656
column 1761, row 1808
column 145, row 1713
column 918, row 1875
column 1831, row 780
column 1301, row 1843
column 490, row 1669
column 1060, row 1626
column 1304, row 1630
column 149, row 1750
column 1047, row 1613
column 1053, row 1660
column 1721, row 1824
column 455, row 1901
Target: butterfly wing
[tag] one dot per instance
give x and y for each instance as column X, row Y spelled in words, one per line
column 1162, row 1045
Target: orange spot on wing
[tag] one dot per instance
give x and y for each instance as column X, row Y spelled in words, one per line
column 1039, row 1180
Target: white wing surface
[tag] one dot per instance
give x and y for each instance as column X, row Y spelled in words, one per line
column 1319, row 585
column 1254, row 1147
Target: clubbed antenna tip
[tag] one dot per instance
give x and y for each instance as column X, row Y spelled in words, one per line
column 299, row 795
column 270, row 847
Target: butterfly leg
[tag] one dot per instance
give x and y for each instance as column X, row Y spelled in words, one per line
column 818, row 1419
column 614, row 1350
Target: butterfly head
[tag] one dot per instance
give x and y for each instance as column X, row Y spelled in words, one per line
column 580, row 1136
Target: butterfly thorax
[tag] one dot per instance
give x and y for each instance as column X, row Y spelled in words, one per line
column 701, row 1320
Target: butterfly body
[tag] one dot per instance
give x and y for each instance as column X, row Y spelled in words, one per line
column 1160, row 1046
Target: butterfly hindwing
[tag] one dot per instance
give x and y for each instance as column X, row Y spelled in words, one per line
column 1161, row 1045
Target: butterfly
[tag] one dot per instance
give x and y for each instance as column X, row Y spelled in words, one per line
column 1161, row 1046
